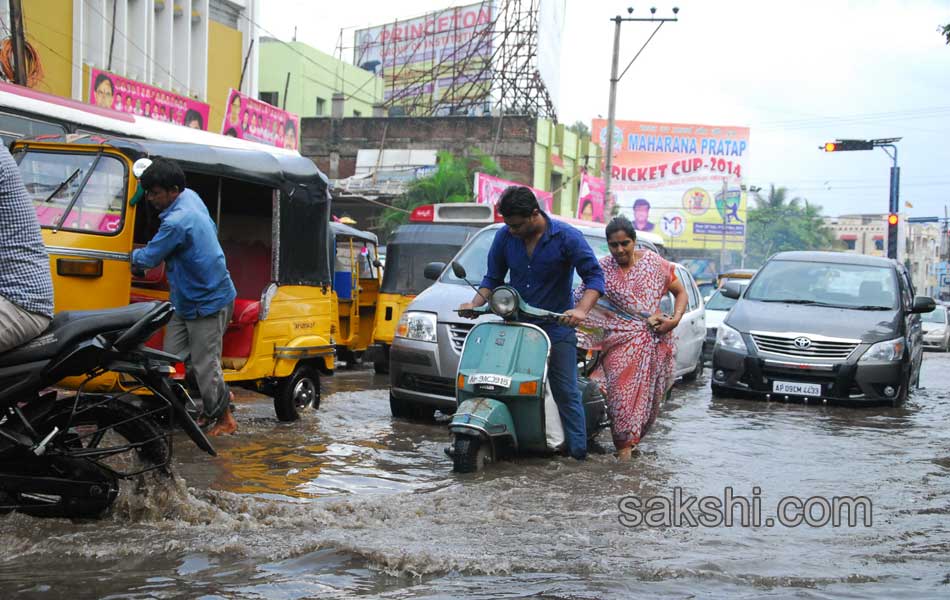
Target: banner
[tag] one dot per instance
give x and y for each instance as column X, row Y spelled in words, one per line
column 590, row 199
column 250, row 119
column 489, row 189
column 436, row 61
column 680, row 181
column 108, row 90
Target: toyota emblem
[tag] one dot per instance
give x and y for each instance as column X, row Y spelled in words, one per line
column 802, row 343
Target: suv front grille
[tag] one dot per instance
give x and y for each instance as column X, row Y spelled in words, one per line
column 459, row 332
column 818, row 347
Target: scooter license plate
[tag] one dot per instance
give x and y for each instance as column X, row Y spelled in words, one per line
column 490, row 379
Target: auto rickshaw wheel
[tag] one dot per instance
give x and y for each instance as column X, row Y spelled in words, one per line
column 298, row 393
column 468, row 453
column 381, row 365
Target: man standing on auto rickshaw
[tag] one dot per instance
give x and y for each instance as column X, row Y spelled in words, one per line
column 201, row 288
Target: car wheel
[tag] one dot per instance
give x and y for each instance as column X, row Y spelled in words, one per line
column 904, row 393
column 718, row 391
column 297, row 393
column 399, row 408
column 946, row 345
column 696, row 372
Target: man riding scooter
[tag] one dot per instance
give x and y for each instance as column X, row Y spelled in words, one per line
column 541, row 255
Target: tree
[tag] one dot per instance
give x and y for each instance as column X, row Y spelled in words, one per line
column 777, row 224
column 451, row 182
column 945, row 31
column 580, row 128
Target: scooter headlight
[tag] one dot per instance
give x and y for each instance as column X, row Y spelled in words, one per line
column 504, row 302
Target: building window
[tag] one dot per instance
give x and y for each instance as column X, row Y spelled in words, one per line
column 270, row 98
column 321, row 106
column 849, row 244
column 357, row 113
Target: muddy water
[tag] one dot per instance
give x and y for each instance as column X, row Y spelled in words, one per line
column 350, row 503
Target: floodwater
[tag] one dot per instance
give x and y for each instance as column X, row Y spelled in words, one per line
column 350, row 503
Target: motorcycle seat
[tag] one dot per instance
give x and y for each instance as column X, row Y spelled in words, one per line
column 70, row 326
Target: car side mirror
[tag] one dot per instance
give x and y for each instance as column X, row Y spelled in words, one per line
column 458, row 270
column 731, row 290
column 923, row 304
column 433, row 270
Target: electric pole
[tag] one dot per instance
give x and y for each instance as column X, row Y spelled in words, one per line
column 19, row 42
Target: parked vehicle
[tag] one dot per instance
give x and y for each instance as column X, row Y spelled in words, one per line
column 823, row 326
column 936, row 326
column 690, row 333
column 430, row 334
column 434, row 233
column 64, row 454
column 272, row 213
column 502, row 386
column 717, row 307
column 356, row 277
column 735, row 275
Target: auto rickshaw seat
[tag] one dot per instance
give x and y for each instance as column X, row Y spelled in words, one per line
column 250, row 266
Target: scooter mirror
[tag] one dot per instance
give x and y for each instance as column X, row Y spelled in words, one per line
column 139, row 166
column 458, row 270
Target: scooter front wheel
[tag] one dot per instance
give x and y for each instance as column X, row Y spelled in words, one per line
column 468, row 454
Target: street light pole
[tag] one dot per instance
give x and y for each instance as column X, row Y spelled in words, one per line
column 614, row 78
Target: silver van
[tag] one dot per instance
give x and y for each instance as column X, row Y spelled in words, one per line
column 424, row 357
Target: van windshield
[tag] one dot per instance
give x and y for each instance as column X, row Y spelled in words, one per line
column 405, row 265
column 863, row 287
column 67, row 196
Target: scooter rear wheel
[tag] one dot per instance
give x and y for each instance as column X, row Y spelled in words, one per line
column 468, row 454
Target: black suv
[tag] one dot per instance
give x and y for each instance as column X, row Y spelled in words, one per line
column 822, row 326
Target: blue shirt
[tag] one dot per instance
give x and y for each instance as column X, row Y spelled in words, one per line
column 545, row 279
column 188, row 243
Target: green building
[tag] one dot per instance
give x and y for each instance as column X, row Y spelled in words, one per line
column 311, row 78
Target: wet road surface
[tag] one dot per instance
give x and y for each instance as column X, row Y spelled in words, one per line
column 351, row 503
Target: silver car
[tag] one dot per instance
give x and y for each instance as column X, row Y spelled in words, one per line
column 936, row 329
column 428, row 342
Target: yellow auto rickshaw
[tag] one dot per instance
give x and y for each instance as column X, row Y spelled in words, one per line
column 272, row 213
column 434, row 233
column 356, row 281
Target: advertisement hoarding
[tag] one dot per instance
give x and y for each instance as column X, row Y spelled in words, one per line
column 437, row 60
column 489, row 189
column 550, row 29
column 680, row 181
column 250, row 119
column 108, row 90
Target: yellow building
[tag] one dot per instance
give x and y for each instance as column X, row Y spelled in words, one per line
column 193, row 48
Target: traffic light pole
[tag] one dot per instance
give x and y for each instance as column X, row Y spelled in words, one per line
column 892, row 228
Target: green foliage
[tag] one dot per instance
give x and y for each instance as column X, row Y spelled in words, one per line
column 580, row 128
column 945, row 31
column 777, row 224
column 451, row 182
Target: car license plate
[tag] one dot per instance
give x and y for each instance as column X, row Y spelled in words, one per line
column 490, row 379
column 796, row 388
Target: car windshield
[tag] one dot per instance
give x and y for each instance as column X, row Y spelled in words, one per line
column 79, row 192
column 937, row 315
column 474, row 257
column 864, row 287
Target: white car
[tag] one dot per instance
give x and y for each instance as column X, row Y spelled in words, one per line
column 936, row 329
column 690, row 334
column 717, row 307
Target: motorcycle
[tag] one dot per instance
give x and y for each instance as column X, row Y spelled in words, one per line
column 505, row 407
column 64, row 454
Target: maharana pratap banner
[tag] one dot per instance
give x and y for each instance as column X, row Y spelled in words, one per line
column 250, row 119
column 680, row 181
column 109, row 90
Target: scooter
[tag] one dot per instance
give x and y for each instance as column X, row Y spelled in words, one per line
column 505, row 407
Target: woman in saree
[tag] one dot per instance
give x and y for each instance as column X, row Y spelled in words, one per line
column 636, row 365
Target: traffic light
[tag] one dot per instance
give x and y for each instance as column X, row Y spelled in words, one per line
column 892, row 221
column 847, row 145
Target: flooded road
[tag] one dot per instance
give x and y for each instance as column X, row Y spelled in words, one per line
column 350, row 503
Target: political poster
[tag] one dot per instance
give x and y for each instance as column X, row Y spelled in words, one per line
column 681, row 181
column 590, row 199
column 489, row 189
column 251, row 119
column 108, row 90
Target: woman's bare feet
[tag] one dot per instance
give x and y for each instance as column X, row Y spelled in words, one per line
column 626, row 453
column 225, row 425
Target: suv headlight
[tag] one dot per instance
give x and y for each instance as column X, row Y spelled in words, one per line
column 887, row 351
column 417, row 326
column 727, row 337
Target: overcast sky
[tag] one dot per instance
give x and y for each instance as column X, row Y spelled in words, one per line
column 797, row 73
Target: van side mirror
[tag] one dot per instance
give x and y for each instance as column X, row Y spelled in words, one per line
column 458, row 270
column 433, row 270
column 731, row 290
column 923, row 304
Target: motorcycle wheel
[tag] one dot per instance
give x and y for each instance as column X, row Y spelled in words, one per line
column 468, row 454
column 131, row 443
column 297, row 393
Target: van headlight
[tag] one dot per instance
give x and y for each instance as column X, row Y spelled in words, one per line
column 727, row 337
column 415, row 325
column 504, row 302
column 887, row 351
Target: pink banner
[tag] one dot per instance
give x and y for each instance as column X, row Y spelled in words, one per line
column 590, row 199
column 257, row 121
column 108, row 90
column 489, row 189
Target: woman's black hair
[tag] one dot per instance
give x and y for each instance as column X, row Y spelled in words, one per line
column 163, row 173
column 103, row 77
column 517, row 201
column 193, row 115
column 586, row 202
column 621, row 223
column 290, row 125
